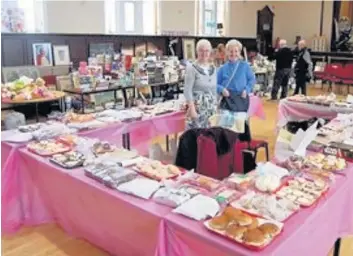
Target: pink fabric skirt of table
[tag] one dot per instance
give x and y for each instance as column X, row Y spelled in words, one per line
column 311, row 231
column 141, row 132
column 256, row 107
column 118, row 223
column 290, row 111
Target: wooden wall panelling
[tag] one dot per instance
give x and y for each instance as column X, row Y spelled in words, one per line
column 78, row 49
column 17, row 48
column 13, row 52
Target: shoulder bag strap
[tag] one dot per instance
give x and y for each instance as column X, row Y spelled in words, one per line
column 229, row 81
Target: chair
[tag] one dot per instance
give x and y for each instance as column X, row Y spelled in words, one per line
column 346, row 76
column 220, row 167
column 331, row 75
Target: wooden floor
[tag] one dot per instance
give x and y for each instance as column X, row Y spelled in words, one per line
column 51, row 240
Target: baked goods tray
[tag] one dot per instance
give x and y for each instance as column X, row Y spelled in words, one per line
column 161, row 112
column 261, row 221
column 65, row 149
column 323, row 193
column 131, row 119
column 257, row 214
column 60, row 164
column 155, row 177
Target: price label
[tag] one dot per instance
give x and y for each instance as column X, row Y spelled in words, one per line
column 331, row 151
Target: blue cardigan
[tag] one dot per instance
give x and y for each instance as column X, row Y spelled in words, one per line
column 244, row 78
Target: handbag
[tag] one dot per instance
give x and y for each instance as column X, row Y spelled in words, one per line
column 234, row 102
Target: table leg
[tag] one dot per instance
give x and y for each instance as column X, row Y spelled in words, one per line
column 336, row 250
column 167, row 142
column 37, row 113
column 83, row 103
column 63, row 104
column 128, row 141
column 125, row 98
column 115, row 98
column 124, row 140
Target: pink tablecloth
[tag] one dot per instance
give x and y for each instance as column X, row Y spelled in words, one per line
column 256, row 108
column 119, row 223
column 290, row 111
column 311, row 231
column 143, row 131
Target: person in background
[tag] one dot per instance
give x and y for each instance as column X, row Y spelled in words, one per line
column 303, row 68
column 221, row 55
column 200, row 87
column 235, row 81
column 284, row 60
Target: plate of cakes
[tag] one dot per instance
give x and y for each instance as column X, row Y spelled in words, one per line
column 48, row 147
column 157, row 170
column 326, row 162
column 303, row 192
column 68, row 160
column 252, row 232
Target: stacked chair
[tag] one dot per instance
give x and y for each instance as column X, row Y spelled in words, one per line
column 336, row 73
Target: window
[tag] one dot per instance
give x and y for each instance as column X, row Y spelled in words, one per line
column 211, row 12
column 131, row 17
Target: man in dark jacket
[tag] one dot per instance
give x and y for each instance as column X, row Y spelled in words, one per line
column 284, row 59
column 303, row 68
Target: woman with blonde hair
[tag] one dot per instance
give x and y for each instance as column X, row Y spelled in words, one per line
column 200, row 88
column 235, row 81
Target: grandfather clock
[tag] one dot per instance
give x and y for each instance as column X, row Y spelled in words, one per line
column 265, row 30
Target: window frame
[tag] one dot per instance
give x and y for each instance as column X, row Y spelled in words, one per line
column 213, row 11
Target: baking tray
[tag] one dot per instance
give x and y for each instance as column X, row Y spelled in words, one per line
column 65, row 166
column 250, row 247
column 64, row 150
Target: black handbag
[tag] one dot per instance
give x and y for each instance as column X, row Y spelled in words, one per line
column 235, row 103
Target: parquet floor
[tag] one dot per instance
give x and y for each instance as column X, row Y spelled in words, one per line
column 51, row 240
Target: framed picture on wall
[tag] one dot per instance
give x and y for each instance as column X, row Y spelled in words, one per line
column 61, row 55
column 189, row 49
column 42, row 54
column 101, row 48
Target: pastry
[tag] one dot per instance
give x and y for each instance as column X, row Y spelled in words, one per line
column 269, row 229
column 173, row 169
column 236, row 232
column 231, row 212
column 242, row 219
column 254, row 224
column 155, row 164
column 254, row 237
column 304, row 201
column 219, row 222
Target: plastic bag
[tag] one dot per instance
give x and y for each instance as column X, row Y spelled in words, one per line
column 14, row 120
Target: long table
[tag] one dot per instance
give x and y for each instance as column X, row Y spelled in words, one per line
column 311, row 231
column 32, row 189
column 291, row 111
column 124, row 225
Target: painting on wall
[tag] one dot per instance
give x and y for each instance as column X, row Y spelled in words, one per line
column 189, row 49
column 101, row 49
column 12, row 20
column 61, row 55
column 42, row 54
